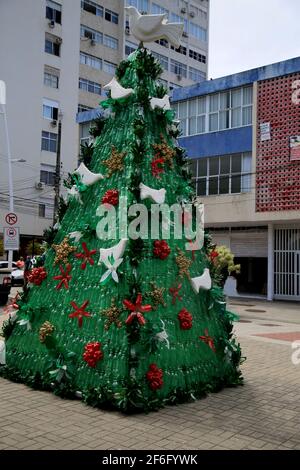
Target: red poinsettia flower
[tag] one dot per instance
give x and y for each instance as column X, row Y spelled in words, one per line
column 154, row 377
column 157, row 167
column 185, row 319
column 111, row 197
column 161, row 249
column 37, row 275
column 93, row 353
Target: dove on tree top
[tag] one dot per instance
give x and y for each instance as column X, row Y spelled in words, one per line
column 148, row 28
column 130, row 323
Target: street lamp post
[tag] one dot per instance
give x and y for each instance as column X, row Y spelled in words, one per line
column 10, row 179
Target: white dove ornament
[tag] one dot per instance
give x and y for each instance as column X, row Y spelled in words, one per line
column 87, row 177
column 148, row 28
column 156, row 195
column 201, row 282
column 162, row 103
column 116, row 251
column 116, row 90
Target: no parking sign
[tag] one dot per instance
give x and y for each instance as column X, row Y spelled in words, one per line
column 11, row 238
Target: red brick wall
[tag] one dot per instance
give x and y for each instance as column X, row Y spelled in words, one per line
column 277, row 178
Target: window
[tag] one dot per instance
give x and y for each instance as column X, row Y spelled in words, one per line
column 88, row 85
column 84, row 134
column 111, row 42
column 42, row 210
column 90, row 61
column 227, row 174
column 49, row 140
column 92, row 7
column 178, row 19
column 82, row 108
column 50, row 109
column 46, row 210
column 196, row 75
column 197, row 56
column 53, row 11
column 108, row 67
column 178, row 68
column 141, row 5
column 180, row 49
column 130, row 47
column 52, row 45
column 86, row 32
column 51, row 78
column 111, row 16
column 197, row 116
column 158, row 10
column 162, row 42
column 47, row 174
column 197, row 32
column 226, row 110
column 164, row 61
column 182, row 116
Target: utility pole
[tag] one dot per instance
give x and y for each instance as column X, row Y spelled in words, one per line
column 57, row 175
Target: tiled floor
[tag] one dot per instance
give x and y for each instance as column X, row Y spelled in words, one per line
column 263, row 414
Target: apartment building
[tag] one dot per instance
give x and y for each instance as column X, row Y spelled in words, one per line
column 55, row 58
column 242, row 133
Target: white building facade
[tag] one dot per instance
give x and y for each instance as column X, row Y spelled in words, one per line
column 55, row 58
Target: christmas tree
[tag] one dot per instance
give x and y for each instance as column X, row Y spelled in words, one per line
column 128, row 322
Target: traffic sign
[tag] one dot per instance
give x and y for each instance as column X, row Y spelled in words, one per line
column 11, row 218
column 11, row 238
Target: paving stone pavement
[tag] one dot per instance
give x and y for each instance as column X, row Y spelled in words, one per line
column 262, row 414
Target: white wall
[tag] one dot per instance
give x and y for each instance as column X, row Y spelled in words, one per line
column 22, row 59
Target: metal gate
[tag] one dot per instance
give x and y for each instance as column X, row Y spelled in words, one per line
column 287, row 263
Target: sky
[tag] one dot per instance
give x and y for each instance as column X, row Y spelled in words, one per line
column 245, row 34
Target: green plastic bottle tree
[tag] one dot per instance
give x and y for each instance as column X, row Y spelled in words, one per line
column 131, row 322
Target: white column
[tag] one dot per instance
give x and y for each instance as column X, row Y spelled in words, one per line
column 270, row 262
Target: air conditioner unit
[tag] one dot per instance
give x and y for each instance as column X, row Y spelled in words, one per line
column 39, row 185
column 183, row 10
column 93, row 42
column 58, row 40
column 127, row 30
column 54, row 123
column 179, row 77
column 51, row 24
column 192, row 14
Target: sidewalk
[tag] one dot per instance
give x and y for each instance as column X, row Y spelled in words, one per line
column 277, row 310
column 262, row 414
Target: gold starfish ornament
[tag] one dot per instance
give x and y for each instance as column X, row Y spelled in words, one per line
column 115, row 162
column 112, row 315
column 183, row 263
column 62, row 251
